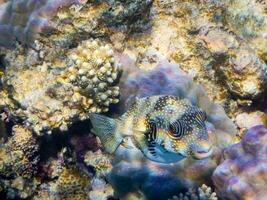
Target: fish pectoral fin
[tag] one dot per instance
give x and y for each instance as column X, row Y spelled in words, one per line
column 105, row 128
column 127, row 143
column 158, row 154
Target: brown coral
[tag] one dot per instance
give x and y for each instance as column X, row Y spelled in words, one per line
column 21, row 154
column 71, row 183
column 19, row 163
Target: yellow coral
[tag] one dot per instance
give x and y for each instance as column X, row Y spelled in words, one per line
column 71, row 184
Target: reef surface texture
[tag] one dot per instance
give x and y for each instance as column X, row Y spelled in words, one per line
column 242, row 172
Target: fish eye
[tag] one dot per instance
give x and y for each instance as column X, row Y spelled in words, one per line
column 177, row 129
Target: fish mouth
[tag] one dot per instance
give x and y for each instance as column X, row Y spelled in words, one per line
column 202, row 154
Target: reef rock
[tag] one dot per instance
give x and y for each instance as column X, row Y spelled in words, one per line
column 132, row 172
column 242, row 173
column 238, row 65
column 249, row 20
column 245, row 120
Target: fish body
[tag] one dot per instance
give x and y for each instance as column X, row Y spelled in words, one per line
column 165, row 128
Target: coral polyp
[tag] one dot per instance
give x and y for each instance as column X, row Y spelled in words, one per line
column 95, row 72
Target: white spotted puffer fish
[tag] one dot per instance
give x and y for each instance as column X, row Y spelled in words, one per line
column 165, row 128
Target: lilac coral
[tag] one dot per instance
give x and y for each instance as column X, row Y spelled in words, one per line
column 22, row 20
column 242, row 174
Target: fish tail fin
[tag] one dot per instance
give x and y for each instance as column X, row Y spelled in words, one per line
column 105, row 128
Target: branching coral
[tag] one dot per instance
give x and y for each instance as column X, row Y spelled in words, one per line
column 95, row 71
column 242, row 172
column 71, row 184
column 65, row 90
column 62, row 178
column 203, row 193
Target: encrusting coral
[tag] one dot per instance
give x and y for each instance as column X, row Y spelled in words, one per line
column 70, row 183
column 242, row 172
column 19, row 163
column 243, row 71
column 20, row 154
column 65, row 90
column 129, row 15
column 101, row 162
column 249, row 20
column 22, row 20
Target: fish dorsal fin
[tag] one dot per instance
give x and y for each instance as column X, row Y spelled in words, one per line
column 105, row 128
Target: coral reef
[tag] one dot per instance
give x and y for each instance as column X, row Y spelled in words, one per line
column 101, row 162
column 100, row 190
column 62, row 178
column 65, row 90
column 129, row 164
column 203, row 193
column 18, row 163
column 249, row 20
column 128, row 16
column 22, row 20
column 20, row 154
column 70, row 183
column 60, row 66
column 242, row 70
column 246, row 120
column 242, row 172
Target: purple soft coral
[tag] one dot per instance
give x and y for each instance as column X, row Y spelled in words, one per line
column 22, row 20
column 242, row 175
